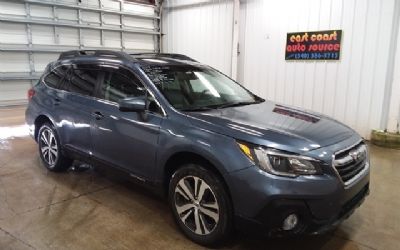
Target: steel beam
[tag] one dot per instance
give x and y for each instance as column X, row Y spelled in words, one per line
column 4, row 18
column 59, row 49
column 157, row 25
column 77, row 7
column 19, row 76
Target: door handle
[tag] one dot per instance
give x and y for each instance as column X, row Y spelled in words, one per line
column 56, row 101
column 97, row 115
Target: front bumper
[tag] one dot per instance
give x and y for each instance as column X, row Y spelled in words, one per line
column 320, row 203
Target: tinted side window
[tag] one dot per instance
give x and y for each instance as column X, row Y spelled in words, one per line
column 117, row 86
column 56, row 77
column 83, row 81
column 53, row 80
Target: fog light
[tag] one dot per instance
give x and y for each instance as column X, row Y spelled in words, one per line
column 290, row 222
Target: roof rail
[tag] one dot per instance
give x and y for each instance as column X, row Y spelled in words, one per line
column 173, row 56
column 104, row 53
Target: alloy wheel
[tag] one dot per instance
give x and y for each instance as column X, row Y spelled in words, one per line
column 49, row 148
column 196, row 205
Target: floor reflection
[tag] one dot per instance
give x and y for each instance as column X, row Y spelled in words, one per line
column 10, row 132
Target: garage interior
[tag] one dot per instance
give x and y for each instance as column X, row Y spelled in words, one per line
column 89, row 207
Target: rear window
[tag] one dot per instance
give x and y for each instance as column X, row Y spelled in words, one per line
column 53, row 80
column 56, row 77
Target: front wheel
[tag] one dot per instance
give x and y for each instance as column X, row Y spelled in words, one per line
column 50, row 150
column 200, row 204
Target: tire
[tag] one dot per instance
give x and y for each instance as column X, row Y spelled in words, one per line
column 50, row 149
column 203, row 214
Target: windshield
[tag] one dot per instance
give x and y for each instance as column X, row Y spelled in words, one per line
column 193, row 88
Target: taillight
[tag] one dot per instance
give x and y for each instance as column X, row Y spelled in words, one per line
column 31, row 93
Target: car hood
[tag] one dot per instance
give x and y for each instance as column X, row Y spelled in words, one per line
column 273, row 125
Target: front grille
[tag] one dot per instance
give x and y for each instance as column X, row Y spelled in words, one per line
column 350, row 162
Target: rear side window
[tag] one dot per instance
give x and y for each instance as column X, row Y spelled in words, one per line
column 56, row 77
column 117, row 86
column 53, row 80
column 83, row 81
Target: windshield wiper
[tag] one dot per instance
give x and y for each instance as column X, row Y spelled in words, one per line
column 221, row 106
column 196, row 109
column 236, row 104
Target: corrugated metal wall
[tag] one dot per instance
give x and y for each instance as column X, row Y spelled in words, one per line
column 394, row 110
column 357, row 90
column 201, row 29
column 33, row 32
column 352, row 90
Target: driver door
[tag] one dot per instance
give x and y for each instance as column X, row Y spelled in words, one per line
column 126, row 140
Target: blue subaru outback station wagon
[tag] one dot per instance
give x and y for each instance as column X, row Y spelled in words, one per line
column 225, row 158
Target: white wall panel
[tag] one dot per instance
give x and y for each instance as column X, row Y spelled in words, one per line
column 89, row 2
column 67, row 14
column 10, row 8
column 90, row 38
column 112, row 39
column 138, row 22
column 351, row 89
column 111, row 19
column 201, row 30
column 41, row 11
column 137, row 8
column 394, row 105
column 138, row 42
column 42, row 59
column 42, row 34
column 111, row 4
column 11, row 90
column 13, row 33
column 68, row 36
column 16, row 62
column 90, row 17
column 68, row 1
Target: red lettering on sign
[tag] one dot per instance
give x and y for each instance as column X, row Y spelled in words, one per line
column 296, row 47
column 336, row 47
column 313, row 45
column 324, row 47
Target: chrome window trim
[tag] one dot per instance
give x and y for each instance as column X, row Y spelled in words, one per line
column 164, row 113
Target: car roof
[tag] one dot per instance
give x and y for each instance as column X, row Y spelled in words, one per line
column 161, row 59
column 156, row 59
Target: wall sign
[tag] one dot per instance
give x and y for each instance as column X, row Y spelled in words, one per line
column 314, row 45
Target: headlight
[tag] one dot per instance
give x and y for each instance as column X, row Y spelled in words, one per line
column 279, row 163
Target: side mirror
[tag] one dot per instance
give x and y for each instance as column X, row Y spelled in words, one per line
column 132, row 104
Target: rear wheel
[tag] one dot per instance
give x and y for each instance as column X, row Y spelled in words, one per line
column 200, row 204
column 49, row 149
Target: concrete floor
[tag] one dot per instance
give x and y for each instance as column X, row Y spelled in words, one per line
column 90, row 210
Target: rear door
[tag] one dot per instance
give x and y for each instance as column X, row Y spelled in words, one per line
column 78, row 103
column 52, row 101
column 127, row 140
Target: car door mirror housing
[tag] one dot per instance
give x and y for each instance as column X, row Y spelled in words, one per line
column 132, row 104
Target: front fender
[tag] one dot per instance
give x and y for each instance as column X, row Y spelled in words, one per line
column 220, row 150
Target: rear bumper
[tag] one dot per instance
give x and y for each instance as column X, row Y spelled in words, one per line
column 320, row 204
column 29, row 119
